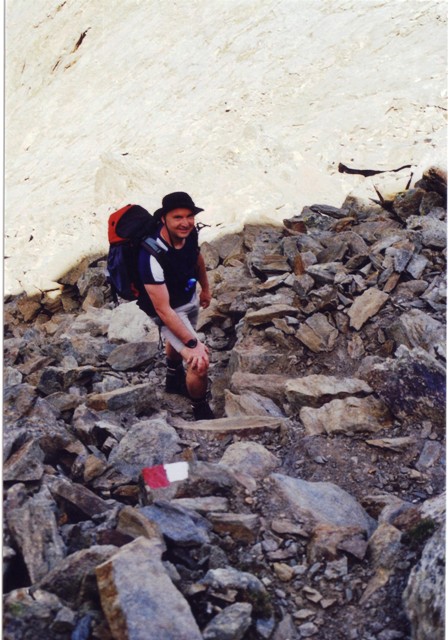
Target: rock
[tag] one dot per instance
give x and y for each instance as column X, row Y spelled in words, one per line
column 135, row 588
column 267, row 314
column 269, row 385
column 249, row 588
column 251, row 457
column 208, row 504
column 139, row 397
column 32, row 524
column 432, row 452
column 407, row 203
column 180, row 526
column 303, row 284
column 241, row 527
column 325, row 273
column 317, row 333
column 416, row 328
column 412, row 386
column 366, row 306
column 25, row 465
column 132, row 355
column 250, row 404
column 328, row 541
column 228, row 425
column 315, row 503
column 73, row 578
column 133, row 522
column 435, row 509
column 210, row 254
column 393, row 444
column 433, row 230
column 315, row 390
column 417, row 265
column 128, row 323
column 308, row 629
column 147, row 443
column 54, row 379
column 231, row 624
column 384, row 548
column 17, row 401
column 350, row 415
column 76, row 497
column 206, row 479
column 36, row 615
column 424, row 596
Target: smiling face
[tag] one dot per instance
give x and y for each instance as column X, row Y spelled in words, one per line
column 180, row 223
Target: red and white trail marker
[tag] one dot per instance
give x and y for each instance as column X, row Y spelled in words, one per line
column 162, row 475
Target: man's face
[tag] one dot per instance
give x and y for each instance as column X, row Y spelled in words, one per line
column 180, row 222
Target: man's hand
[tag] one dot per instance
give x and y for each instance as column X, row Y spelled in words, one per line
column 196, row 358
column 205, row 298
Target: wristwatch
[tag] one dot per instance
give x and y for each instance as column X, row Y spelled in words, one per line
column 191, row 344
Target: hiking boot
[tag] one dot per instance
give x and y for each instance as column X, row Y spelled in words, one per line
column 202, row 410
column 175, row 380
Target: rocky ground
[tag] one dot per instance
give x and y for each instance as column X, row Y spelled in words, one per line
column 313, row 506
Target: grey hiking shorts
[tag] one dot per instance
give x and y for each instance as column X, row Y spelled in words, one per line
column 189, row 314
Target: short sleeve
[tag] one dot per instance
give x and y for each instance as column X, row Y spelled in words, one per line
column 149, row 269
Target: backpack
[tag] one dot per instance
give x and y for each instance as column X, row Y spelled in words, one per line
column 128, row 230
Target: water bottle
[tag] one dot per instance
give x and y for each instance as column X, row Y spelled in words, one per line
column 191, row 283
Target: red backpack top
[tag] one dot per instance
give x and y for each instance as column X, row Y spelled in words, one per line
column 128, row 230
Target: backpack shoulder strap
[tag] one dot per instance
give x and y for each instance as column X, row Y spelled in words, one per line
column 150, row 245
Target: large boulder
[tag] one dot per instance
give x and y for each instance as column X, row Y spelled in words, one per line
column 424, row 596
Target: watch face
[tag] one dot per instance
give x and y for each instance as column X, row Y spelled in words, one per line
column 191, row 343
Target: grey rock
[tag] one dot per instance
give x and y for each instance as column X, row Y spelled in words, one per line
column 325, row 273
column 32, row 616
column 433, row 230
column 268, row 385
column 127, row 323
column 54, row 379
column 249, row 587
column 407, row 203
column 423, row 598
column 366, row 306
column 17, row 401
column 432, row 452
column 147, row 443
column 412, row 386
column 25, row 465
column 416, row 328
column 231, row 624
column 241, row 527
column 315, row 390
column 139, row 398
column 135, row 588
column 251, row 457
column 177, row 524
column 267, row 314
column 33, row 527
column 250, row 404
column 317, row 333
column 132, row 355
column 417, row 265
column 316, row 503
column 73, row 578
column 76, row 496
column 348, row 415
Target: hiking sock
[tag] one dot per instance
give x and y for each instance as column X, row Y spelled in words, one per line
column 201, row 409
column 175, row 377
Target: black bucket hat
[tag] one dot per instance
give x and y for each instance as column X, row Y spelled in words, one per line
column 177, row 200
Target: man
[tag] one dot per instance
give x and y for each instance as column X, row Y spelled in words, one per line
column 168, row 295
